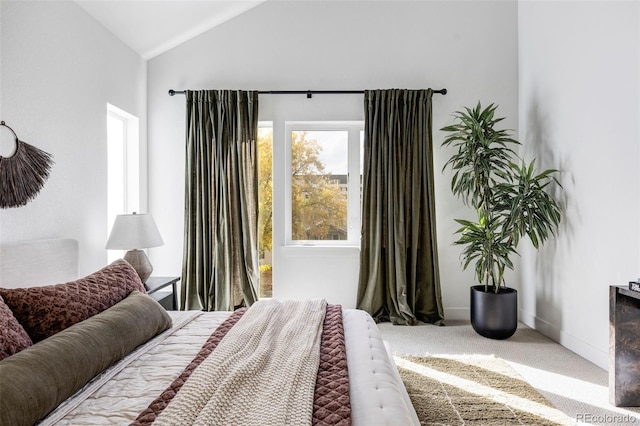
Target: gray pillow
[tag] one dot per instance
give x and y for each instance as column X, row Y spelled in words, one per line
column 37, row 379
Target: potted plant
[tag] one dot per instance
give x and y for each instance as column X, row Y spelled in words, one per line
column 511, row 201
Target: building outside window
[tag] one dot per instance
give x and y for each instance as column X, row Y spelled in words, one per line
column 323, row 183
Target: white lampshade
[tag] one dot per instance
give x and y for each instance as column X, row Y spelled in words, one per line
column 134, row 231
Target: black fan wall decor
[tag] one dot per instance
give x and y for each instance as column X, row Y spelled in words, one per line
column 23, row 174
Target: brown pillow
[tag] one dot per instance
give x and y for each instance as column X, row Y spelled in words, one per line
column 39, row 378
column 44, row 311
column 13, row 338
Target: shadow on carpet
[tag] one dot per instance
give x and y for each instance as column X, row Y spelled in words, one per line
column 474, row 390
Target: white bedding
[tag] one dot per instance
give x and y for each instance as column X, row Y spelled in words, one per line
column 376, row 391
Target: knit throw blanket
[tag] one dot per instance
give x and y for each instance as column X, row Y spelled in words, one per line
column 262, row 373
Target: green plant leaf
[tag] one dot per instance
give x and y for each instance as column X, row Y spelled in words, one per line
column 510, row 199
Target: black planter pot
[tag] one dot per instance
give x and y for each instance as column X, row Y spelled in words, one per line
column 494, row 315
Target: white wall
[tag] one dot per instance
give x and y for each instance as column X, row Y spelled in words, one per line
column 579, row 78
column 568, row 72
column 59, row 69
column 468, row 47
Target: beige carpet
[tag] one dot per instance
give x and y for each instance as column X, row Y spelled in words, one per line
column 474, row 390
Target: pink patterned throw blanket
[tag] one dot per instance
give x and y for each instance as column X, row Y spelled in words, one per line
column 310, row 385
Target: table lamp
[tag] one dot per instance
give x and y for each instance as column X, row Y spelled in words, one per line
column 133, row 232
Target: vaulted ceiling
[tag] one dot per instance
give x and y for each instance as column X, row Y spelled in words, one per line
column 151, row 27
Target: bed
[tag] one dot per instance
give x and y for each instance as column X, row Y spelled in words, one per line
column 117, row 357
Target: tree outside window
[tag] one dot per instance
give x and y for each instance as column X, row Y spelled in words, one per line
column 319, row 185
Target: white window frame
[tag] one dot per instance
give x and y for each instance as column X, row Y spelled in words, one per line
column 129, row 196
column 354, row 128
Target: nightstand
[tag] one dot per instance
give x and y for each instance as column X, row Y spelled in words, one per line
column 157, row 288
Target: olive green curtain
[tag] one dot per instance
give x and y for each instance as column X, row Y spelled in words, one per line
column 220, row 262
column 399, row 279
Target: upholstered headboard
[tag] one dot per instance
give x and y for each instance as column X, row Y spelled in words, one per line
column 38, row 262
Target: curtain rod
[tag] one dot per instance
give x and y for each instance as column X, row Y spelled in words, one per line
column 309, row 93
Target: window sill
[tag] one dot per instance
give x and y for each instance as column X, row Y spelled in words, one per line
column 306, row 250
column 323, row 246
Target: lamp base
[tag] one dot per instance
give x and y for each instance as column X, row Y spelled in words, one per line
column 140, row 262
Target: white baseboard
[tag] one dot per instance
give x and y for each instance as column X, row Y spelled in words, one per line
column 457, row 314
column 574, row 344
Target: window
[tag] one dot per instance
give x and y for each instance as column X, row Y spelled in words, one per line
column 123, row 167
column 323, row 183
column 265, row 207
